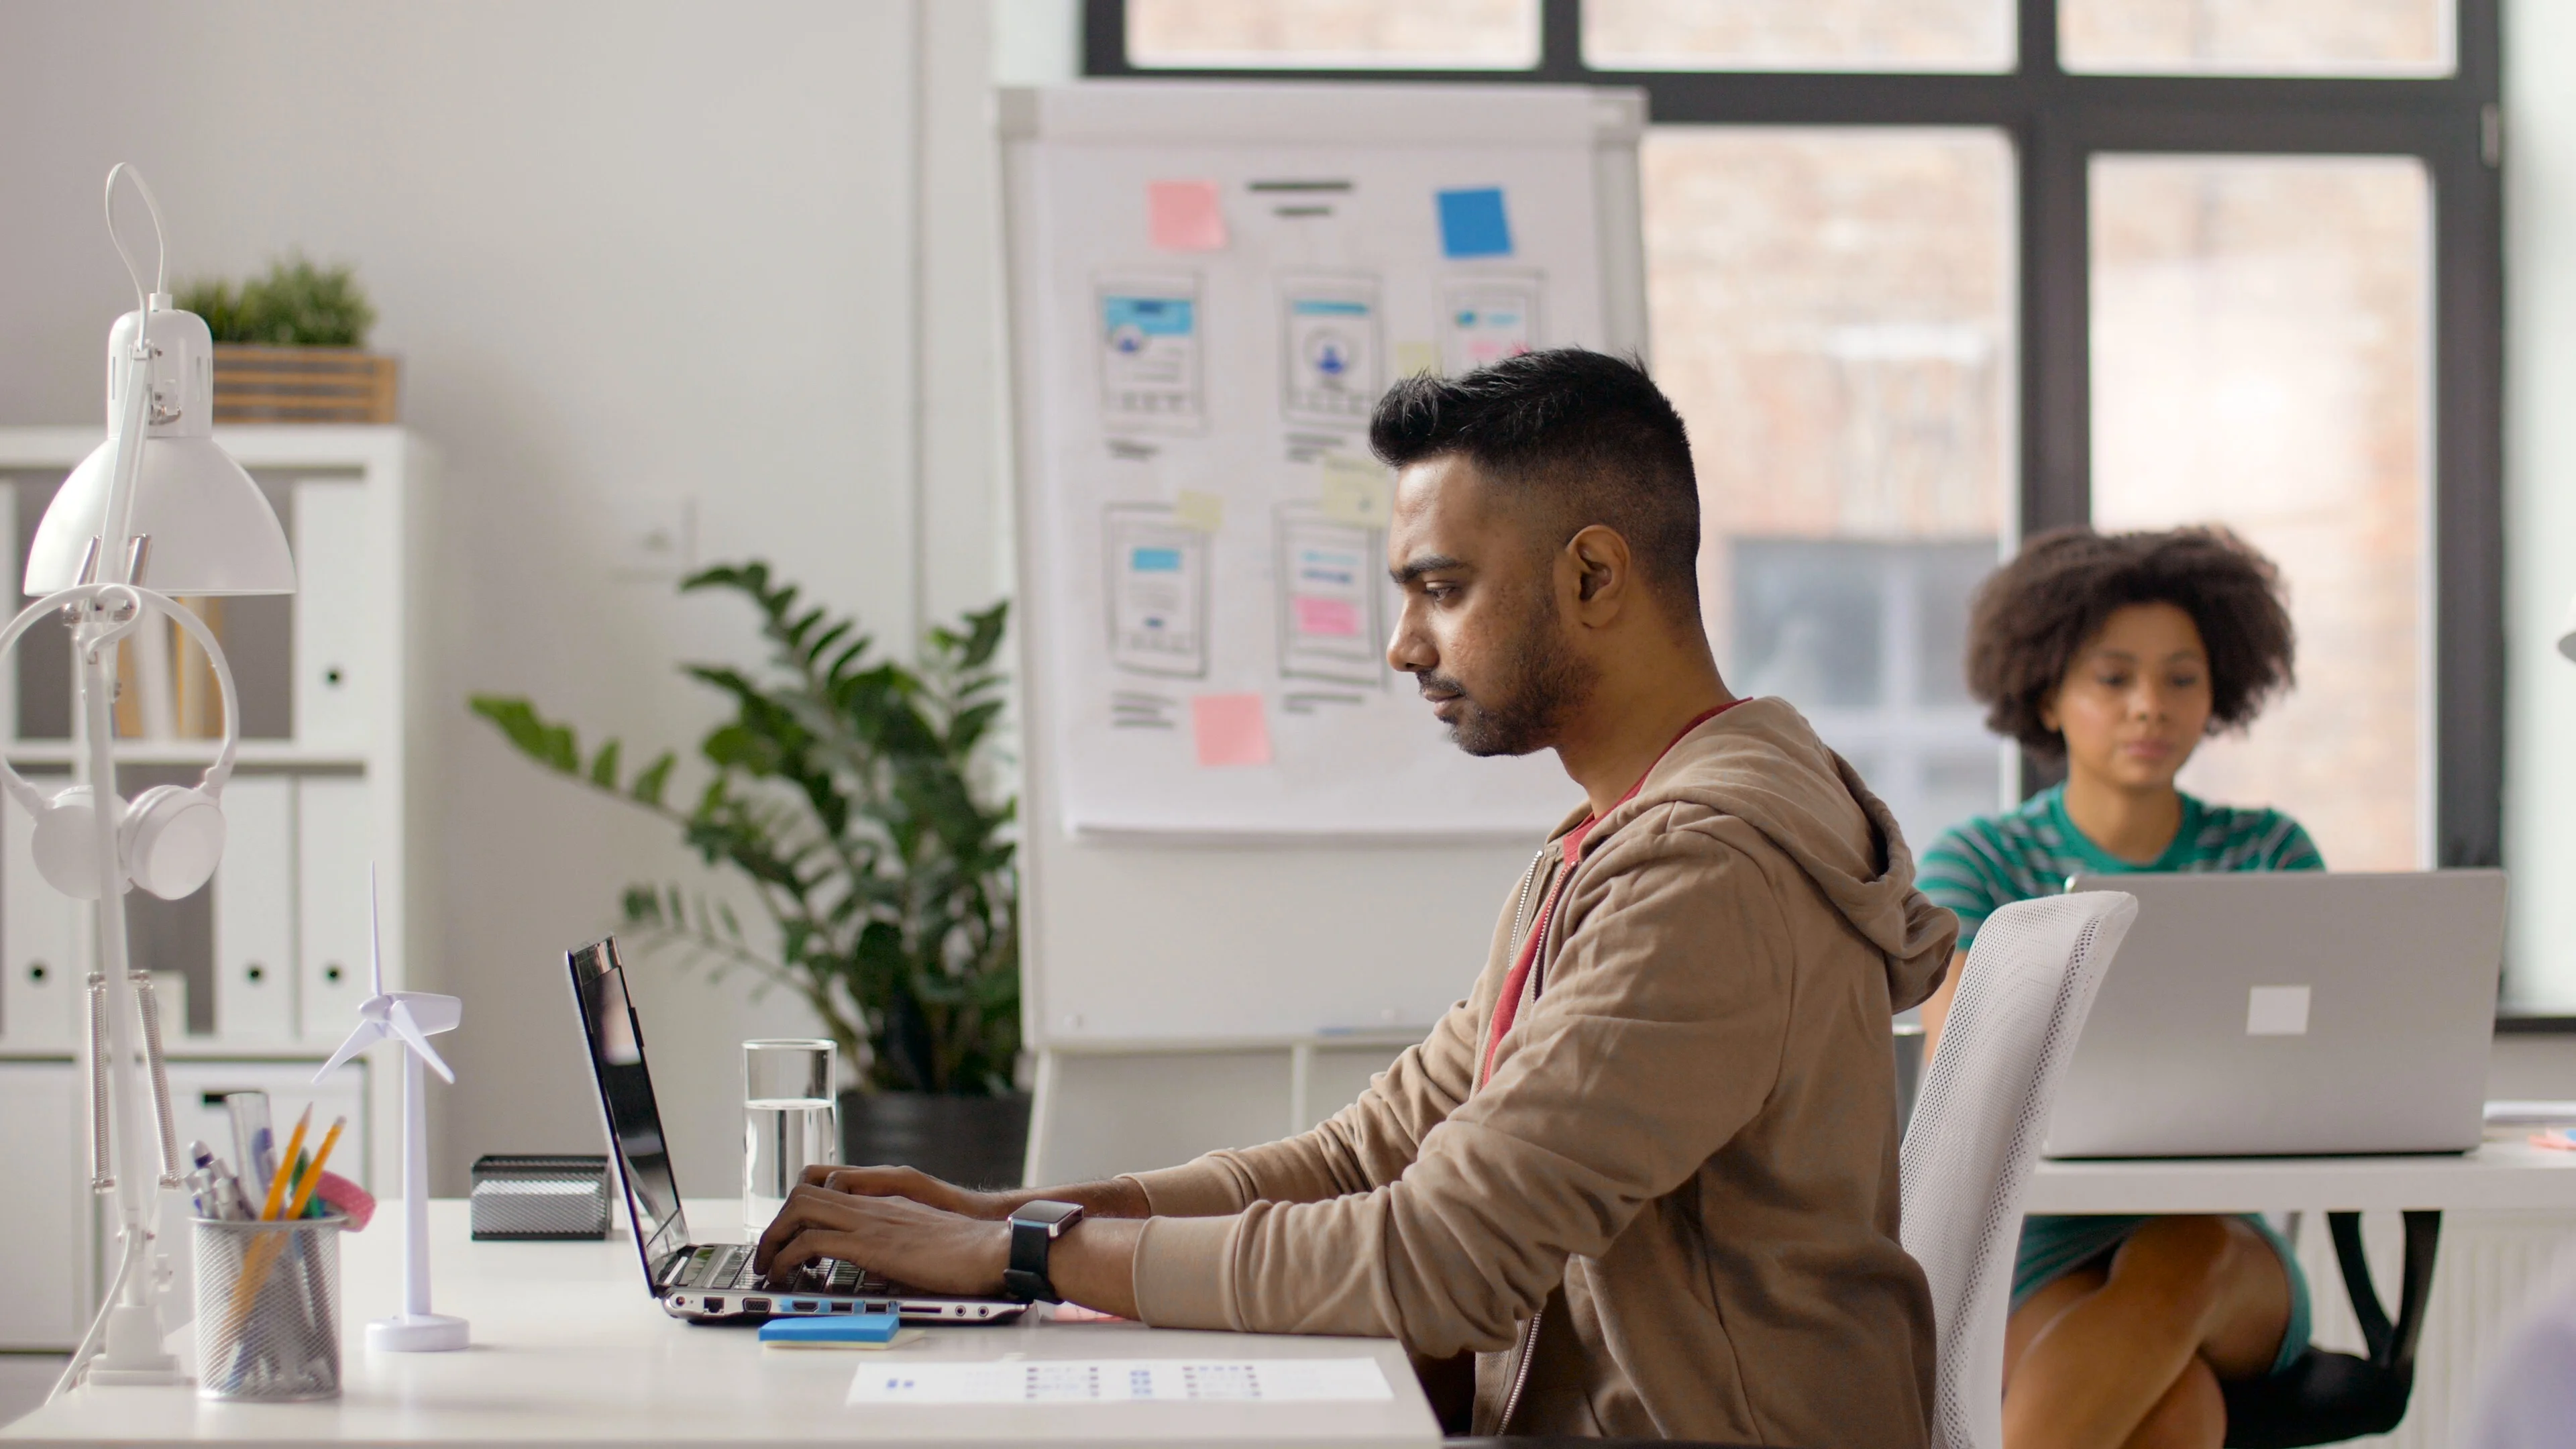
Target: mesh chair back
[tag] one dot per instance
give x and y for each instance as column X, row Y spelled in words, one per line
column 1977, row 1128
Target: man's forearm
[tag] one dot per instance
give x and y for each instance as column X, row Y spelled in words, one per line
column 1117, row 1197
column 1095, row 1264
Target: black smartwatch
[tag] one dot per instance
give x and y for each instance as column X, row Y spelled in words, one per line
column 1034, row 1228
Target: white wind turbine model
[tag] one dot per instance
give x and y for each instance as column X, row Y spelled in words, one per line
column 412, row 1017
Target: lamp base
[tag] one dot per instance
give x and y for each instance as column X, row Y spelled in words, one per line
column 427, row 1333
column 135, row 1377
column 131, row 1354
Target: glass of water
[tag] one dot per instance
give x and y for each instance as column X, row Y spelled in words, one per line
column 790, row 1121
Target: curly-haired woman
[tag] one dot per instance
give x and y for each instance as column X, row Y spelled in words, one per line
column 2119, row 653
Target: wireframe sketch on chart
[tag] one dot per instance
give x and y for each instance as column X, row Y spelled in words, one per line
column 1331, row 367
column 1332, row 615
column 1158, row 592
column 1488, row 316
column 1150, row 348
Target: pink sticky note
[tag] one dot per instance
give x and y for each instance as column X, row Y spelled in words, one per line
column 1332, row 618
column 1184, row 216
column 1231, row 729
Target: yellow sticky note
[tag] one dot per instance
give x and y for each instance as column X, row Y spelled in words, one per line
column 1204, row 512
column 1353, row 490
column 1415, row 358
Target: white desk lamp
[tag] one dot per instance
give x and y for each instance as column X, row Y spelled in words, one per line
column 157, row 501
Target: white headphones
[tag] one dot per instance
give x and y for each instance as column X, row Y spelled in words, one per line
column 168, row 838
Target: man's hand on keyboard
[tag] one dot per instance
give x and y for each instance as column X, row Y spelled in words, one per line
column 943, row 1252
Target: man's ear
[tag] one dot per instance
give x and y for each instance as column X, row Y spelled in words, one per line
column 1604, row 573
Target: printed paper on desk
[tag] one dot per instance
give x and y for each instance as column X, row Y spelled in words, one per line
column 1185, row 216
column 1231, row 729
column 1130, row 1381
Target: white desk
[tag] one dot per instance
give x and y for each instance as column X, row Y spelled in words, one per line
column 568, row 1348
column 2506, row 1174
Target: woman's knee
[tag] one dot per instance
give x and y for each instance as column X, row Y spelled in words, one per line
column 2179, row 1265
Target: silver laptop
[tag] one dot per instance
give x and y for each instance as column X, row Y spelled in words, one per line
column 2289, row 1013
column 713, row 1282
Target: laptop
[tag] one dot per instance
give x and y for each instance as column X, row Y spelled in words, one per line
column 2290, row 1013
column 713, row 1282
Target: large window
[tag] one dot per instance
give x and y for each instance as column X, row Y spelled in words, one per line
column 1928, row 276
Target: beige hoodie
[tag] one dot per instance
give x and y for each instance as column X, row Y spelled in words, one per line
column 1684, row 1164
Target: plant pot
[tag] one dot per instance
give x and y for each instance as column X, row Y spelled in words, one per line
column 970, row 1141
column 303, row 385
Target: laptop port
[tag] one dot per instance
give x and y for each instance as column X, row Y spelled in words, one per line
column 755, row 1305
column 802, row 1306
column 877, row 1308
column 715, row 1305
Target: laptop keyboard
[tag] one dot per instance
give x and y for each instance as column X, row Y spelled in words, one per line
column 716, row 1268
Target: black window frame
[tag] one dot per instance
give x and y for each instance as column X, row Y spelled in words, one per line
column 2057, row 121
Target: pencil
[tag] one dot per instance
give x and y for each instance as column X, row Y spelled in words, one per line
column 313, row 1175
column 263, row 1251
column 277, row 1182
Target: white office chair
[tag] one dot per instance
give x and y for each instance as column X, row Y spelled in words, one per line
column 1977, row 1128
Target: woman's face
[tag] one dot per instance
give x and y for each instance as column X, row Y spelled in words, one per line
column 2135, row 703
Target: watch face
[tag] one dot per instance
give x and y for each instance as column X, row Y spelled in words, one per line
column 1045, row 1213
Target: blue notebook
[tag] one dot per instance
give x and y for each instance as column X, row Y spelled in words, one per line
column 832, row 1328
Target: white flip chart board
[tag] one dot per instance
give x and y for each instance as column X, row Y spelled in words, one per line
column 1211, row 283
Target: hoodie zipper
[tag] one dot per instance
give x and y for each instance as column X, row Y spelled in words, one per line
column 1520, row 907
column 1529, row 1333
column 1520, row 1374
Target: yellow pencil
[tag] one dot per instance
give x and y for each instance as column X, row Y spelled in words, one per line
column 263, row 1252
column 313, row 1177
column 285, row 1168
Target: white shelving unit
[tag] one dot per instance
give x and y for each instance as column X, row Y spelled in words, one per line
column 274, row 951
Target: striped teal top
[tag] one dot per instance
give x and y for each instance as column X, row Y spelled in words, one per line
column 1982, row 865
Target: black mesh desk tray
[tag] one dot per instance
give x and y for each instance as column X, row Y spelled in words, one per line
column 539, row 1198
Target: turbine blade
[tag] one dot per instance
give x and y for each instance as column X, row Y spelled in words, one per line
column 375, row 934
column 409, row 1030
column 368, row 1034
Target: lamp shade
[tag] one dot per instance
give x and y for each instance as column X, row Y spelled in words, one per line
column 211, row 529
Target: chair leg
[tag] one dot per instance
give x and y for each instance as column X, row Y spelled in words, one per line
column 2391, row 1346
column 2375, row 1333
column 2423, row 1239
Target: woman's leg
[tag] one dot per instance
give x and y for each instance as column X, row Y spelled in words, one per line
column 2087, row 1363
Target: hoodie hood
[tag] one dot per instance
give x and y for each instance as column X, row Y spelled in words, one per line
column 1761, row 762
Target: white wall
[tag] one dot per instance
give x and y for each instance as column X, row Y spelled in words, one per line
column 629, row 253
column 2540, row 499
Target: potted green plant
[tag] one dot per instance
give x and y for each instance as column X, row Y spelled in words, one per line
column 290, row 347
column 853, row 795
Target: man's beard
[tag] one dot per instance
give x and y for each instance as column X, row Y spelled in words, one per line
column 1524, row 708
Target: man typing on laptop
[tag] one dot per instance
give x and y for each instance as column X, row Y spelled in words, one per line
column 1646, row 1171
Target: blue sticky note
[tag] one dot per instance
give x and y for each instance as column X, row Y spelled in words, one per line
column 1472, row 223
column 832, row 1328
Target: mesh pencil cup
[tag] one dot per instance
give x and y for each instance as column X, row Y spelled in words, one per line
column 268, row 1309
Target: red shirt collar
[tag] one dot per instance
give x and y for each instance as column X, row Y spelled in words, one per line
column 1573, row 842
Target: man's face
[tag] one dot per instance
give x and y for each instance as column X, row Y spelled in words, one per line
column 1481, row 632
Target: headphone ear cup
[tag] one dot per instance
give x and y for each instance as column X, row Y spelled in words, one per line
column 173, row 836
column 66, row 844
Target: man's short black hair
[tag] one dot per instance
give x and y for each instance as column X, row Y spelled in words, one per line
column 2031, row 618
column 1586, row 435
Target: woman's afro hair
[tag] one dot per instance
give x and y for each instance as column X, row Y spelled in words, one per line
column 2032, row 617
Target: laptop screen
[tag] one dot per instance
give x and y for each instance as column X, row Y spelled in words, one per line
column 616, row 1043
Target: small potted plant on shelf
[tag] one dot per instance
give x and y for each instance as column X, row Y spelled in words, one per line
column 850, row 794
column 289, row 347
